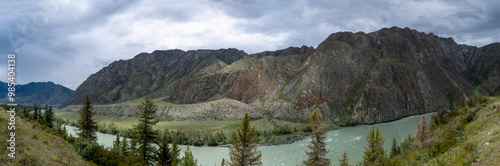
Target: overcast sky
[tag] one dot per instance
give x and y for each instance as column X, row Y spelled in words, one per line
column 65, row 41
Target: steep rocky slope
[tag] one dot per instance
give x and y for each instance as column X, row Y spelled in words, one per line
column 349, row 77
column 40, row 93
column 484, row 68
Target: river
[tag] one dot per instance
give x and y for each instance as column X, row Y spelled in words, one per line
column 351, row 139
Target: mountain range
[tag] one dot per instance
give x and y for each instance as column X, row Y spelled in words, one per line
column 39, row 93
column 359, row 78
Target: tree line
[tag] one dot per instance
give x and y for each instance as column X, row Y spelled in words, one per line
column 139, row 150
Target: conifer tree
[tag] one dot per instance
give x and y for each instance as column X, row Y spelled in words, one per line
column 133, row 145
column 59, row 129
column 395, row 149
column 124, row 147
column 49, row 117
column 41, row 115
column 344, row 161
column 244, row 151
column 223, row 163
column 423, row 133
column 175, row 153
column 26, row 113
column 188, row 158
column 116, row 144
column 86, row 124
column 35, row 112
column 144, row 132
column 317, row 148
column 164, row 154
column 375, row 153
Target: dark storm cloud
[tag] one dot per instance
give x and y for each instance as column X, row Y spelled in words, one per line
column 81, row 37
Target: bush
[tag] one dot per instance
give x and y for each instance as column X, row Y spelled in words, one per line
column 88, row 150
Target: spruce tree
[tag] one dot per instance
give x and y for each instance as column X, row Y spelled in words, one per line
column 86, row 124
column 223, row 163
column 423, row 133
column 116, row 145
column 133, row 146
column 344, row 161
column 164, row 154
column 35, row 112
column 175, row 153
column 317, row 148
column 188, row 158
column 26, row 113
column 124, row 147
column 375, row 153
column 395, row 149
column 144, row 132
column 49, row 117
column 244, row 151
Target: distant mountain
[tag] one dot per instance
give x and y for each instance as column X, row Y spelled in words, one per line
column 40, row 93
column 349, row 77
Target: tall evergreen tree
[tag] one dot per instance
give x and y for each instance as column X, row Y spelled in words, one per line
column 49, row 117
column 375, row 153
column 124, row 147
column 223, row 163
column 175, row 154
column 395, row 149
column 164, row 154
column 133, row 146
column 86, row 124
column 423, row 133
column 244, row 151
column 116, row 144
column 317, row 148
column 35, row 112
column 144, row 132
column 188, row 158
column 344, row 161
column 26, row 113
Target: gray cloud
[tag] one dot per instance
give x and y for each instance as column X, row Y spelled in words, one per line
column 65, row 41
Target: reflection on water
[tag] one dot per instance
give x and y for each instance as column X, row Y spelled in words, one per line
column 350, row 139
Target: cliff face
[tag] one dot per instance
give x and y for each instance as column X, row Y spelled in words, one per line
column 39, row 93
column 484, row 68
column 350, row 77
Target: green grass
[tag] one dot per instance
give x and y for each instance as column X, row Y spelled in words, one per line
column 34, row 146
column 226, row 126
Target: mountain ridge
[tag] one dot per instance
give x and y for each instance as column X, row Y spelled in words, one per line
column 350, row 77
column 40, row 93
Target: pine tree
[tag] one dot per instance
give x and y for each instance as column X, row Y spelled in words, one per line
column 60, row 130
column 133, row 145
column 317, row 148
column 223, row 163
column 244, row 151
column 86, row 124
column 395, row 149
column 175, row 154
column 344, row 161
column 145, row 134
column 49, row 117
column 35, row 112
column 375, row 153
column 423, row 133
column 41, row 115
column 124, row 147
column 26, row 113
column 164, row 154
column 188, row 158
column 116, row 145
